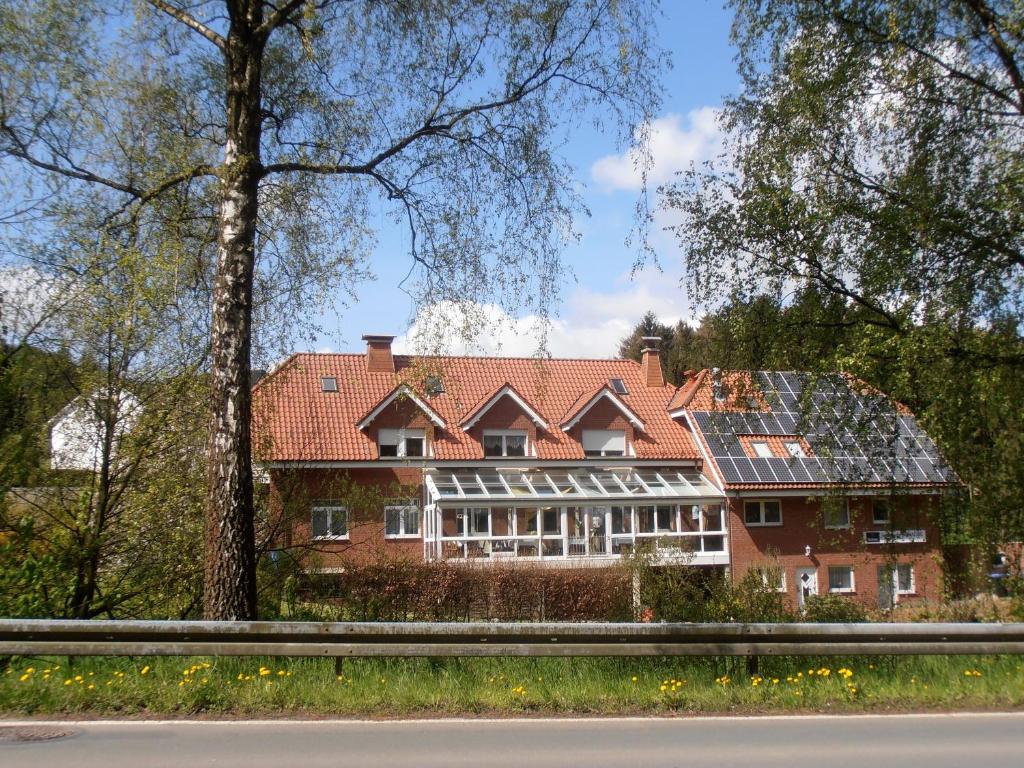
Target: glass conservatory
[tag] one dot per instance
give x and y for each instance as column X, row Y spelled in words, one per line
column 574, row 516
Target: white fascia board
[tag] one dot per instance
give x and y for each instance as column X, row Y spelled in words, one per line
column 632, row 417
column 402, row 391
column 535, row 417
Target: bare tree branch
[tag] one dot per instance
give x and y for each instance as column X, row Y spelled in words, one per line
column 189, row 21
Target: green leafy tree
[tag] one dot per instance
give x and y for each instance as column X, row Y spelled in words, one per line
column 249, row 142
column 875, row 157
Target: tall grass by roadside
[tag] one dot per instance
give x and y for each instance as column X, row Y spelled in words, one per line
column 404, row 687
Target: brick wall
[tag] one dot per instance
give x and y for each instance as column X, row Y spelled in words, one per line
column 603, row 415
column 803, row 525
column 504, row 414
column 364, row 492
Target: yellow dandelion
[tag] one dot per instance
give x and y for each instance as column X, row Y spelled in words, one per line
column 634, row 678
column 67, row 682
column 145, row 670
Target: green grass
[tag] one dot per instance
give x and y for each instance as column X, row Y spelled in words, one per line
column 422, row 687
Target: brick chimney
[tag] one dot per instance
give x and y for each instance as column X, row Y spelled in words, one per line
column 650, row 362
column 378, row 354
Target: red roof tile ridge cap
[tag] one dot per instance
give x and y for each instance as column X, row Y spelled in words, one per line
column 480, row 357
column 693, row 385
column 275, row 370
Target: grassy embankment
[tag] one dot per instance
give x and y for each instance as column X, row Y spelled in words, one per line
column 422, row 687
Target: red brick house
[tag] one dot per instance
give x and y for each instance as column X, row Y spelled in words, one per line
column 571, row 462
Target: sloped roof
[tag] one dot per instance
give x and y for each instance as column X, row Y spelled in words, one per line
column 295, row 421
column 857, row 435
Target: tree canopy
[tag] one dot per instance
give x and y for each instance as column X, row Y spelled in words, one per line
column 876, row 156
column 247, row 145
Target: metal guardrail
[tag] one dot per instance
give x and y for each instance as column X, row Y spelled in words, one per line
column 343, row 639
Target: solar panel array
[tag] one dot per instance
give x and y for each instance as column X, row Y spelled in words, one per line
column 855, row 437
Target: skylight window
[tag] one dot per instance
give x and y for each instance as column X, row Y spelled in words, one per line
column 763, row 450
column 618, row 386
column 796, row 450
column 328, row 384
column 433, row 385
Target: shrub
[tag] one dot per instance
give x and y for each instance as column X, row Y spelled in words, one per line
column 833, row 609
column 403, row 590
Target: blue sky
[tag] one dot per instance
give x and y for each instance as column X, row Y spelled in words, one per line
column 604, row 301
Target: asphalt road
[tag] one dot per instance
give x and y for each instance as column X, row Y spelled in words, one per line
column 931, row 741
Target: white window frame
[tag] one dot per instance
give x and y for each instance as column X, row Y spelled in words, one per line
column 842, row 590
column 761, row 503
column 896, row 579
column 403, row 434
column 503, row 434
column 658, row 530
column 333, row 509
column 402, row 510
column 763, row 572
column 888, row 512
column 795, row 450
column 761, row 449
column 606, row 433
column 841, row 527
column 467, row 515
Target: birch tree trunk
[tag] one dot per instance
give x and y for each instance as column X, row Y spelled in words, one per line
column 230, row 569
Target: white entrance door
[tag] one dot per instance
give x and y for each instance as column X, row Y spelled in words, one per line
column 806, row 585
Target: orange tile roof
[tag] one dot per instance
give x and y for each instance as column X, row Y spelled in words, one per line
column 295, row 421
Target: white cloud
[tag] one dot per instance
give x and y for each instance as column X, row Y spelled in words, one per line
column 25, row 296
column 673, row 148
column 590, row 326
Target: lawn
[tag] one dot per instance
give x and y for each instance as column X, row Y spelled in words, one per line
column 504, row 686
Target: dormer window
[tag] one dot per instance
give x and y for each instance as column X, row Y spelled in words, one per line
column 328, row 384
column 401, row 443
column 604, row 442
column 504, row 443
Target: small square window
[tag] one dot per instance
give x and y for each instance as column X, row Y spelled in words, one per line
column 880, row 512
column 433, row 385
column 762, row 513
column 618, row 386
column 772, row 576
column 604, row 442
column 400, row 443
column 795, row 450
column 840, row 578
column 499, row 444
column 837, row 513
column 762, row 450
column 904, row 578
column 329, row 522
column 328, row 384
column 401, row 521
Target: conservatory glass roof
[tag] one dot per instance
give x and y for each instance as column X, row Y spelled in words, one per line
column 580, row 484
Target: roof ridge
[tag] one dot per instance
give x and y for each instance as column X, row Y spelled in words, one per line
column 481, row 357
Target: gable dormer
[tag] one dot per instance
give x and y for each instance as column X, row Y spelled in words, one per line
column 603, row 424
column 505, row 424
column 402, row 425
